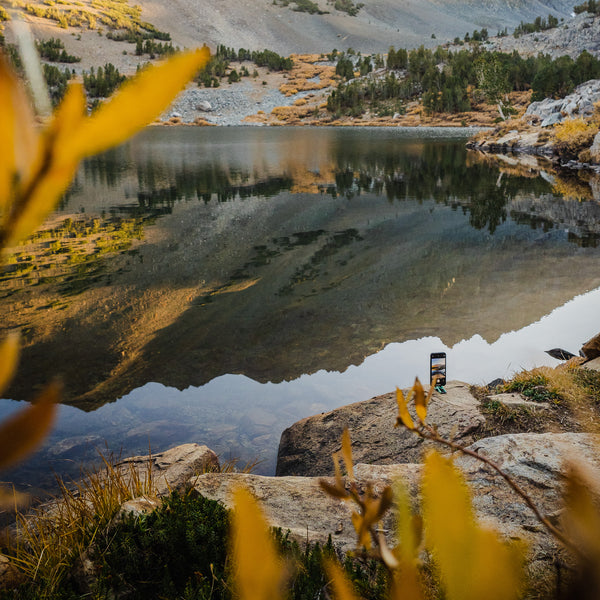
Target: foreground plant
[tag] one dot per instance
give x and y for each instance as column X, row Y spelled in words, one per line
column 37, row 164
column 471, row 561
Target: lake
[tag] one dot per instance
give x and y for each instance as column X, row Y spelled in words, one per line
column 215, row 285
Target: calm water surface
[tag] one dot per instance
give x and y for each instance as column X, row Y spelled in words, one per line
column 258, row 276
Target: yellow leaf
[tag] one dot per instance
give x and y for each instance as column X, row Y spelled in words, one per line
column 362, row 530
column 342, row 588
column 473, row 563
column 19, row 136
column 41, row 202
column 496, row 569
column 9, row 357
column 11, row 498
column 449, row 523
column 409, row 535
column 333, row 490
column 137, row 103
column 23, row 432
column 58, row 169
column 258, row 570
column 581, row 517
column 403, row 414
column 420, row 400
column 347, row 453
column 387, row 556
column 406, row 582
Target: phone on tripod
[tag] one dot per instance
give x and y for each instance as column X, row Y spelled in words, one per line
column 437, row 367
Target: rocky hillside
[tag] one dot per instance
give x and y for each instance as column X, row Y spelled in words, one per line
column 256, row 24
column 572, row 37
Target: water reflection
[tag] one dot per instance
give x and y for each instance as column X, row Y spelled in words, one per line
column 272, row 255
column 241, row 418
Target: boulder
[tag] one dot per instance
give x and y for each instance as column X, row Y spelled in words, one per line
column 300, row 505
column 536, row 462
column 580, row 103
column 306, row 447
column 173, row 468
column 204, row 106
column 591, row 349
column 139, row 506
column 593, row 364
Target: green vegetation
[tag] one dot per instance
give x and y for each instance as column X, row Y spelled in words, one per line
column 219, row 64
column 57, row 82
column 347, row 6
column 180, row 550
column 539, row 24
column 154, row 49
column 590, row 6
column 54, row 51
column 451, row 81
column 102, row 82
column 307, row 6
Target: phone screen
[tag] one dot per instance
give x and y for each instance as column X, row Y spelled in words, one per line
column 438, row 367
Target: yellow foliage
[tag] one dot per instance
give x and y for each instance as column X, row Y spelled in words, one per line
column 574, row 135
column 570, row 128
column 259, row 572
column 473, row 562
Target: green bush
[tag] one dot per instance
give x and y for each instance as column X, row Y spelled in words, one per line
column 54, row 51
column 179, row 549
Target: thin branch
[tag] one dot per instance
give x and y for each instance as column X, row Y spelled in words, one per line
column 429, row 433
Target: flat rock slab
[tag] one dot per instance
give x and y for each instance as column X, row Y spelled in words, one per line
column 307, row 446
column 512, row 399
column 172, row 469
column 294, row 503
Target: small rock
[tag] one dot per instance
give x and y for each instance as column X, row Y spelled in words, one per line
column 591, row 349
column 139, row 506
column 204, row 106
column 560, row 354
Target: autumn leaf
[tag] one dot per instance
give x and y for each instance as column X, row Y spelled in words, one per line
column 473, row 562
column 404, row 417
column 347, row 453
column 420, row 400
column 9, row 357
column 259, row 572
column 23, row 432
column 138, row 102
column 342, row 588
column 581, row 516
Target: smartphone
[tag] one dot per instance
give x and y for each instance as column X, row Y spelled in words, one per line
column 437, row 366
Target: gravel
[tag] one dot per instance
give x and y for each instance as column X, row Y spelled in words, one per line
column 230, row 103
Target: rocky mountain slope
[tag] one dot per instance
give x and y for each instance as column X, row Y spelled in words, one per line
column 258, row 24
column 572, row 37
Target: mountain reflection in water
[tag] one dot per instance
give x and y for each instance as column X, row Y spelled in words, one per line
column 269, row 255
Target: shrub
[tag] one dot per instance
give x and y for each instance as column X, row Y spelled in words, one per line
column 178, row 548
column 574, row 135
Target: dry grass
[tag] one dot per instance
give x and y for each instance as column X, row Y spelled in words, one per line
column 571, row 391
column 50, row 540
